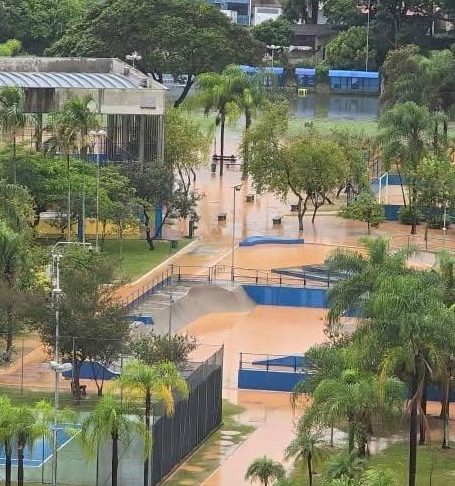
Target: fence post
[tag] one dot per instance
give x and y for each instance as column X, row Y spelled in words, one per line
column 257, row 276
column 241, row 360
column 210, row 279
column 267, row 363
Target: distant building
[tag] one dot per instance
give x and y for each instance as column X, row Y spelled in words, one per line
column 263, row 10
column 237, row 10
column 310, row 40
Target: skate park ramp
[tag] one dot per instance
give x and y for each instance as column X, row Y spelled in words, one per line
column 197, row 301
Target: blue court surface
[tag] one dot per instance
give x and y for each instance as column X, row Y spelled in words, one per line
column 40, row 452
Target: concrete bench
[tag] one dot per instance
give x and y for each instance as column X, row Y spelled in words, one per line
column 276, row 220
column 249, row 198
column 221, row 217
column 294, row 208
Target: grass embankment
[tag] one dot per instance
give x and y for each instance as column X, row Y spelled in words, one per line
column 434, row 466
column 210, row 454
column 134, row 257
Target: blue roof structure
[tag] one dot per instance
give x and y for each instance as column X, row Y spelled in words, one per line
column 248, row 69
column 305, row 72
column 333, row 73
column 275, row 70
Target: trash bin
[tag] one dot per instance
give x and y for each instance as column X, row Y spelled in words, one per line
column 213, row 167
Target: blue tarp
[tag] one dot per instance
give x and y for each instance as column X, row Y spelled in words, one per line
column 336, row 73
column 248, row 69
column 270, row 240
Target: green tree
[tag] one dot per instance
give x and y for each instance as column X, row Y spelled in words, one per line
column 343, row 13
column 152, row 349
column 355, row 398
column 307, row 447
column 409, row 332
column 157, row 382
column 404, row 133
column 15, row 206
column 377, row 477
column 6, row 434
column 181, row 37
column 10, row 48
column 309, row 168
column 301, row 11
column 345, row 467
column 264, row 470
column 274, row 32
column 365, row 273
column 348, row 50
column 12, row 116
column 72, row 126
column 365, row 208
column 92, row 322
column 112, row 420
column 218, row 93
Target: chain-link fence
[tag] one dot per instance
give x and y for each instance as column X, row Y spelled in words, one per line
column 26, row 377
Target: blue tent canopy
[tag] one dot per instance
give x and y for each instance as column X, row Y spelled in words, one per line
column 278, row 71
column 353, row 74
column 305, row 72
column 248, row 69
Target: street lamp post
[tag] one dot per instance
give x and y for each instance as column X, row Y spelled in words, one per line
column 134, row 56
column 55, row 365
column 99, row 137
column 368, row 36
column 235, row 189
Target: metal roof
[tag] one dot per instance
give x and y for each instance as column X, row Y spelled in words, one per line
column 305, row 72
column 67, row 80
column 334, row 73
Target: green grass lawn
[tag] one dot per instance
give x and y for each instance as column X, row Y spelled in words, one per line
column 434, row 463
column 135, row 258
column 208, row 457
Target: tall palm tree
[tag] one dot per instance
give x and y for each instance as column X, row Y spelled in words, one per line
column 307, row 447
column 72, row 126
column 404, row 132
column 28, row 425
column 112, row 420
column 363, row 272
column 157, row 382
column 12, row 115
column 6, row 434
column 219, row 93
column 411, row 333
column 264, row 470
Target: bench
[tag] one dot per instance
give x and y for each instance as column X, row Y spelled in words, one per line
column 249, row 198
column 276, row 220
column 226, row 158
column 294, row 208
column 221, row 217
column 83, row 389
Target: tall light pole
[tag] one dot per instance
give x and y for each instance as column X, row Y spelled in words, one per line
column 100, row 134
column 134, row 56
column 55, row 365
column 368, row 36
column 235, row 189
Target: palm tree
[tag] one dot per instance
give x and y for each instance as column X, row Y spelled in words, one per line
column 219, row 92
column 12, row 254
column 346, row 465
column 111, row 419
column 411, row 333
column 16, row 207
column 404, row 132
column 12, row 116
column 264, row 470
column 72, row 126
column 377, row 477
column 6, row 434
column 363, row 272
column 355, row 398
column 306, row 446
column 157, row 382
column 27, row 426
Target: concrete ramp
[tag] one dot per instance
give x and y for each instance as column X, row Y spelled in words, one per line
column 199, row 300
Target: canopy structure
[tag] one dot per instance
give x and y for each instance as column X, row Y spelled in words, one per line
column 312, row 273
column 133, row 102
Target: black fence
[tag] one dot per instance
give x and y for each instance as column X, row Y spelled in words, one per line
column 194, row 419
